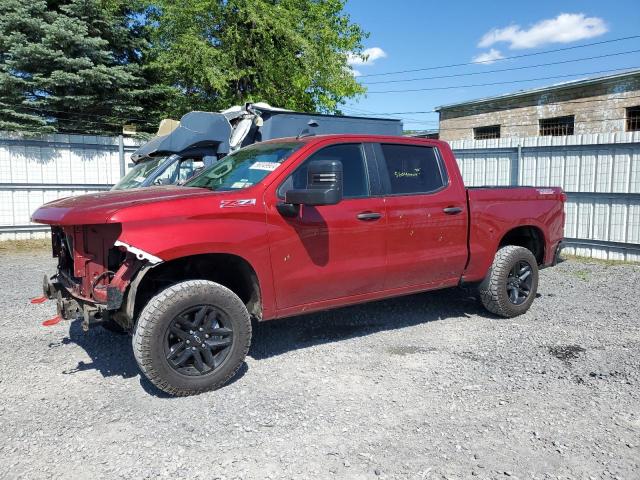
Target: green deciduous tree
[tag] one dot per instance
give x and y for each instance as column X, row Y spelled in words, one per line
column 71, row 66
column 290, row 53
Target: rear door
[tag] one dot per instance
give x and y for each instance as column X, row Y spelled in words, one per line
column 330, row 251
column 426, row 217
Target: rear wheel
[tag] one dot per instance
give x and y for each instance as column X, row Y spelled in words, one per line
column 192, row 337
column 512, row 282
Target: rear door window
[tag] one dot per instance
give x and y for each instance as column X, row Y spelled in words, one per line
column 413, row 169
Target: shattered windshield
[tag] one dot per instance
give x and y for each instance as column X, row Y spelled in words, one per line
column 244, row 168
column 139, row 173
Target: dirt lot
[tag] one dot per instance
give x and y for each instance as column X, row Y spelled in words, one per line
column 426, row 386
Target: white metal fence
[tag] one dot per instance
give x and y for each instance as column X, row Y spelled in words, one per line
column 35, row 170
column 600, row 173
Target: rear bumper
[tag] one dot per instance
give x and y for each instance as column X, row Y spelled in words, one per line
column 557, row 250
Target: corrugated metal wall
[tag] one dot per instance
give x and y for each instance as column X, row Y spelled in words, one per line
column 35, row 170
column 600, row 173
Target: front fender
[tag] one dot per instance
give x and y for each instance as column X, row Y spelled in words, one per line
column 245, row 238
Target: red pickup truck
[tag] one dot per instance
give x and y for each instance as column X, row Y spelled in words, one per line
column 286, row 227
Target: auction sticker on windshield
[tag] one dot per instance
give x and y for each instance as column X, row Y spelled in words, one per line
column 243, row 184
column 269, row 166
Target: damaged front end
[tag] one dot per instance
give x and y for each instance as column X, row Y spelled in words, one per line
column 93, row 274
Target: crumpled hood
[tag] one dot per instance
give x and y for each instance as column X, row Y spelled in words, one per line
column 195, row 128
column 97, row 208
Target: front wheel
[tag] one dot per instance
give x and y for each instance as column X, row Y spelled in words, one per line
column 192, row 337
column 512, row 282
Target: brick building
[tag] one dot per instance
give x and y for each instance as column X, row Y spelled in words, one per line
column 595, row 105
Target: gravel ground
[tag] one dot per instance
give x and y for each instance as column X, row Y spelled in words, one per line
column 425, row 386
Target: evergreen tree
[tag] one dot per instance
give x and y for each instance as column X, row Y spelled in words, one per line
column 70, row 66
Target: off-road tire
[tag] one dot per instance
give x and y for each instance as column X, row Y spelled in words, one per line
column 152, row 325
column 493, row 289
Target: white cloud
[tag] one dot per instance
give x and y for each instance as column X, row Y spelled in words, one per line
column 565, row 28
column 355, row 73
column 488, row 57
column 367, row 57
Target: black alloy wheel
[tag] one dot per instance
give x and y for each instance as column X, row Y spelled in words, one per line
column 511, row 283
column 198, row 340
column 192, row 337
column 519, row 282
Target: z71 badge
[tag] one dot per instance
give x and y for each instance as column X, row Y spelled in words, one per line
column 245, row 202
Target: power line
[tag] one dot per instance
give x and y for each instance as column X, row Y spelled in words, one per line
column 353, row 109
column 560, row 102
column 63, row 121
column 451, row 87
column 116, row 122
column 502, row 59
column 504, row 69
column 435, row 123
column 365, row 112
column 502, row 125
column 50, row 110
column 506, row 125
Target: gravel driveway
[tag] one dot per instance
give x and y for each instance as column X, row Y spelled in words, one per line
column 425, row 386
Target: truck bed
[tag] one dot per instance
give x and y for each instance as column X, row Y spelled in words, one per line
column 496, row 210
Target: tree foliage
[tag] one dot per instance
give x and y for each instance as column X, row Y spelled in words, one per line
column 290, row 53
column 94, row 65
column 70, row 66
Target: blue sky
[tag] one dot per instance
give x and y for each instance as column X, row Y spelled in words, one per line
column 411, row 34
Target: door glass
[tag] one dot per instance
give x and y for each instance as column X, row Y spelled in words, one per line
column 355, row 180
column 413, row 169
column 179, row 171
column 188, row 168
column 139, row 173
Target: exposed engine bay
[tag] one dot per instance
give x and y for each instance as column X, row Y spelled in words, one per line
column 93, row 273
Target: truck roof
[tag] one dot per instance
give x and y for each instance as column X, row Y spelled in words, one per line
column 358, row 137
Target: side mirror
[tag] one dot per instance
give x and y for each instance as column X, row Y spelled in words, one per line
column 324, row 185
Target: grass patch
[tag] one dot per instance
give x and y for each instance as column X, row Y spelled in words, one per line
column 584, row 275
column 25, row 245
column 596, row 261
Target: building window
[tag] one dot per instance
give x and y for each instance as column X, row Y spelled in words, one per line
column 557, row 126
column 633, row 119
column 482, row 133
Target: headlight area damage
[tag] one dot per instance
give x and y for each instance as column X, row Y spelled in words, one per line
column 93, row 274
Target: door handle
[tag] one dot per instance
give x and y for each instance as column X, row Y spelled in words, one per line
column 368, row 216
column 452, row 210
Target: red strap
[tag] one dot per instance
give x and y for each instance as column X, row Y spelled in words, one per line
column 52, row 321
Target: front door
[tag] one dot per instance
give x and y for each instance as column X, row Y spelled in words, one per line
column 330, row 251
